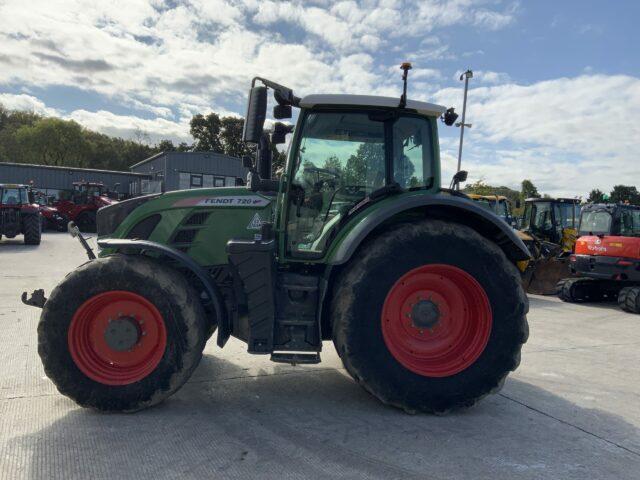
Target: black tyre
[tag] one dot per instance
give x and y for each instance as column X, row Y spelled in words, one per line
column 121, row 333
column 629, row 299
column 87, row 222
column 430, row 316
column 32, row 226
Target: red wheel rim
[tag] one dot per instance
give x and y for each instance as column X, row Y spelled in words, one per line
column 440, row 340
column 91, row 332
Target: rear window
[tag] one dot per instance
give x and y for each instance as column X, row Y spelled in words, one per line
column 595, row 223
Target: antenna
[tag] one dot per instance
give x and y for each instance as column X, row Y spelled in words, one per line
column 405, row 67
column 466, row 76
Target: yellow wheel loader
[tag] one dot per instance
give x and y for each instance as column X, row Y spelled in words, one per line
column 548, row 228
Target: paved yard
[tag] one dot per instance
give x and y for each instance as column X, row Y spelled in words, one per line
column 572, row 410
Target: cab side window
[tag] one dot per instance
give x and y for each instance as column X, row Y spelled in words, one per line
column 412, row 152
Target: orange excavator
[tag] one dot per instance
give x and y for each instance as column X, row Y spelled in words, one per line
column 606, row 262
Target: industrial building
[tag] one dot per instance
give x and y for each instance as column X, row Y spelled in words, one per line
column 184, row 170
column 163, row 172
column 54, row 180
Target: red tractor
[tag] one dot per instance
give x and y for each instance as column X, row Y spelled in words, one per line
column 51, row 218
column 606, row 261
column 19, row 214
column 84, row 202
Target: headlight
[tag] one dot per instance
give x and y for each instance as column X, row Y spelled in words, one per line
column 108, row 218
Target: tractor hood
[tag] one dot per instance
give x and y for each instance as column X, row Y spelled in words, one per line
column 199, row 222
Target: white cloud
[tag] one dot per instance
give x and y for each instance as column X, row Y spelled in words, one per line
column 25, row 102
column 568, row 135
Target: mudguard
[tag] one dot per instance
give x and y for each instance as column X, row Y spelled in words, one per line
column 224, row 329
column 441, row 206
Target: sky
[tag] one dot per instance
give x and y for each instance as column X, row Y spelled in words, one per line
column 555, row 95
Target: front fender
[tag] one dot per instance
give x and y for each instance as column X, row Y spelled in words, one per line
column 224, row 328
column 441, row 206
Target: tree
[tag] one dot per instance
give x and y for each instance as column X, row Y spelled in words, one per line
column 206, row 132
column 596, row 196
column 231, row 137
column 625, row 193
column 52, row 141
column 529, row 190
column 166, row 146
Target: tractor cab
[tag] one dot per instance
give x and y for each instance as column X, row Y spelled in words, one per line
column 498, row 204
column 553, row 220
column 19, row 213
column 90, row 192
column 83, row 203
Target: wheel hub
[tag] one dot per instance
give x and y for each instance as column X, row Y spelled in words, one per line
column 117, row 337
column 425, row 314
column 122, row 334
column 436, row 320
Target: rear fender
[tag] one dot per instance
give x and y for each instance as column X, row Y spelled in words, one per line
column 139, row 246
column 443, row 207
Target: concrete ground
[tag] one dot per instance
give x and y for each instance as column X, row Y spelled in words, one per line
column 572, row 410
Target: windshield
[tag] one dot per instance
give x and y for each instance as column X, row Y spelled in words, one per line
column 93, row 190
column 595, row 223
column 14, row 196
column 341, row 159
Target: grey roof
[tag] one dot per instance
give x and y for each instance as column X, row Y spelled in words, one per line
column 424, row 108
column 75, row 169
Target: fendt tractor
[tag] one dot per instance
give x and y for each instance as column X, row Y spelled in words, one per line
column 606, row 263
column 19, row 214
column 356, row 243
column 548, row 229
column 83, row 204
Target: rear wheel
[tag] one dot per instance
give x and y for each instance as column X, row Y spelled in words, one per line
column 32, row 229
column 121, row 333
column 629, row 299
column 430, row 317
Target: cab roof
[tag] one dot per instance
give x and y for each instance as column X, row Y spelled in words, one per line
column 476, row 196
column 340, row 100
column 554, row 199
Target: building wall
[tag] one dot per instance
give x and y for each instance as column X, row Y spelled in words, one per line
column 52, row 180
column 182, row 170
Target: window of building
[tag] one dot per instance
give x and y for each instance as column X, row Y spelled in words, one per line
column 219, row 181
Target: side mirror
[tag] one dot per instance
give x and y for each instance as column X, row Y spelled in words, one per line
column 518, row 204
column 282, row 111
column 449, row 117
column 256, row 115
column 460, row 176
column 279, row 134
column 247, row 162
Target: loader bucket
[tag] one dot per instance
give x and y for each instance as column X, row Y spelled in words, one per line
column 544, row 273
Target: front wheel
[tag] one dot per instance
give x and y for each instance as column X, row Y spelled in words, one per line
column 430, row 316
column 121, row 333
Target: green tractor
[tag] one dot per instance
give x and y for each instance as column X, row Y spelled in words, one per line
column 356, row 242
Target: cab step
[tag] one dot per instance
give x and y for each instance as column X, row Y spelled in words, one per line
column 296, row 358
